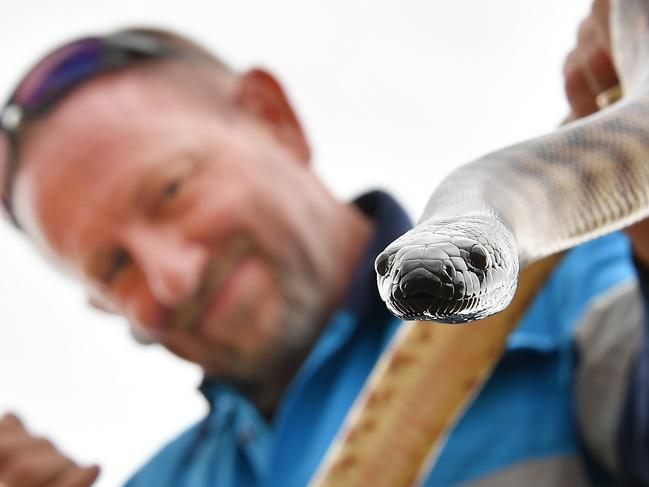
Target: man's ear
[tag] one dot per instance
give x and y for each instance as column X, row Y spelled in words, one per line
column 261, row 95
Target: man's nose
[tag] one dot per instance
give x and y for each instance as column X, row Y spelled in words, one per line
column 173, row 267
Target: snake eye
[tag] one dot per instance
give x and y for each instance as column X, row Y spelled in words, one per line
column 479, row 257
column 381, row 264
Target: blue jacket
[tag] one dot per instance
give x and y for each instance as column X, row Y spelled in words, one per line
column 524, row 421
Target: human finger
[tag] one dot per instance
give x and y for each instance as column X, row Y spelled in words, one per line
column 577, row 87
column 13, row 436
column 77, row 477
column 588, row 68
column 36, row 463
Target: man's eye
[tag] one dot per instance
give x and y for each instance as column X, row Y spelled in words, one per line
column 171, row 189
column 167, row 192
column 118, row 262
column 165, row 198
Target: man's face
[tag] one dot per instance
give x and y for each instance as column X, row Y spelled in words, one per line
column 201, row 228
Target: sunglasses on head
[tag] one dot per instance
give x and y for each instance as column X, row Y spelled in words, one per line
column 57, row 74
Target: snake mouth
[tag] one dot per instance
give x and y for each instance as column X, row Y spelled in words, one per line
column 451, row 280
column 425, row 298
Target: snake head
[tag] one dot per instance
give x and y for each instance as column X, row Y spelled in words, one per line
column 452, row 271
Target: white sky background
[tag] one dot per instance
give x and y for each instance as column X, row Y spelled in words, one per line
column 393, row 95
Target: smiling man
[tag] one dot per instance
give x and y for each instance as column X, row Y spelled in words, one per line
column 163, row 206
column 180, row 193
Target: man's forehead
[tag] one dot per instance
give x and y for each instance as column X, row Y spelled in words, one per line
column 112, row 100
column 104, row 117
column 105, row 110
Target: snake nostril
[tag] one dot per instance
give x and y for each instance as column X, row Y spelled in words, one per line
column 479, row 257
column 381, row 264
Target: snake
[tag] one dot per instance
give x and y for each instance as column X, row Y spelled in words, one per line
column 492, row 224
column 503, row 211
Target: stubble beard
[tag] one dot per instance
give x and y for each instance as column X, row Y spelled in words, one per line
column 265, row 377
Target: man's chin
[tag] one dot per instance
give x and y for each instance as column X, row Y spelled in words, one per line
column 236, row 366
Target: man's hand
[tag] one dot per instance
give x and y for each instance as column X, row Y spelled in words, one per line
column 588, row 69
column 28, row 461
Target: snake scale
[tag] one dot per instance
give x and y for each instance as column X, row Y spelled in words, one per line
column 505, row 215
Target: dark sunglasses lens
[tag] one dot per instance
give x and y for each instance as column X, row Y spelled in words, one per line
column 59, row 71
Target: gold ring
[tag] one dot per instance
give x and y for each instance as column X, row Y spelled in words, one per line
column 607, row 98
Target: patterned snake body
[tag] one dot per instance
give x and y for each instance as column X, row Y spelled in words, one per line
column 503, row 211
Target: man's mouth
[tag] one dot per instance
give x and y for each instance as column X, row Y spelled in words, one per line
column 217, row 289
column 228, row 292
